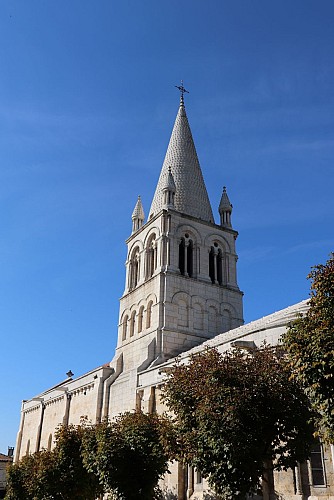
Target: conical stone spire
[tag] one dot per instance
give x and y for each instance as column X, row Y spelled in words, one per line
column 181, row 159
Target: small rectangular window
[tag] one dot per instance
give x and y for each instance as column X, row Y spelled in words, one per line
column 317, row 465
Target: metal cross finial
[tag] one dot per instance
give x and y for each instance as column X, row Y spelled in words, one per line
column 182, row 92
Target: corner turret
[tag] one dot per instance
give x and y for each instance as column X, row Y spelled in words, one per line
column 137, row 216
column 169, row 190
column 225, row 210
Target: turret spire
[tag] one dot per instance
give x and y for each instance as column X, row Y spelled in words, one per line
column 181, row 160
column 225, row 210
column 138, row 216
column 168, row 190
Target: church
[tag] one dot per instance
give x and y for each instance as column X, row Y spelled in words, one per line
column 180, row 296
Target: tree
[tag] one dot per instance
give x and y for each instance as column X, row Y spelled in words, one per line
column 130, row 454
column 75, row 481
column 239, row 416
column 57, row 474
column 309, row 342
column 33, row 478
column 125, row 457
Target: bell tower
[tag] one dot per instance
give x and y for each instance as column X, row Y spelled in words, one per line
column 181, row 285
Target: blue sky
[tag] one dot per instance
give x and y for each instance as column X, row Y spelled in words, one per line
column 87, row 104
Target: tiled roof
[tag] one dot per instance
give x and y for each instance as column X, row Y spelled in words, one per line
column 5, row 458
column 191, row 196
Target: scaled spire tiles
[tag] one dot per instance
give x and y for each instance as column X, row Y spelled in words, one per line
column 181, row 160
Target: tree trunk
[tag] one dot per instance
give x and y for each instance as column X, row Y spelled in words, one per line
column 268, row 487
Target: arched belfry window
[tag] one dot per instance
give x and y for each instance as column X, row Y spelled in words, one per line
column 151, row 256
column 134, row 268
column 216, row 257
column 186, row 256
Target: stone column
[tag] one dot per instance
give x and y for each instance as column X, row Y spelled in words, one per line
column 67, row 408
column 152, row 401
column 298, row 480
column 190, row 489
column 39, row 429
column 215, row 254
column 332, row 451
column 19, row 436
column 186, row 243
column 181, row 486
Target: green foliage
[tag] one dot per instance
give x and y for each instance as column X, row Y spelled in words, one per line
column 236, row 412
column 130, row 454
column 57, row 474
column 125, row 458
column 33, row 478
column 75, row 482
column 309, row 343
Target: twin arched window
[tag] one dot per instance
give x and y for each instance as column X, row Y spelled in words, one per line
column 134, row 268
column 151, row 262
column 186, row 256
column 151, row 256
column 216, row 264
